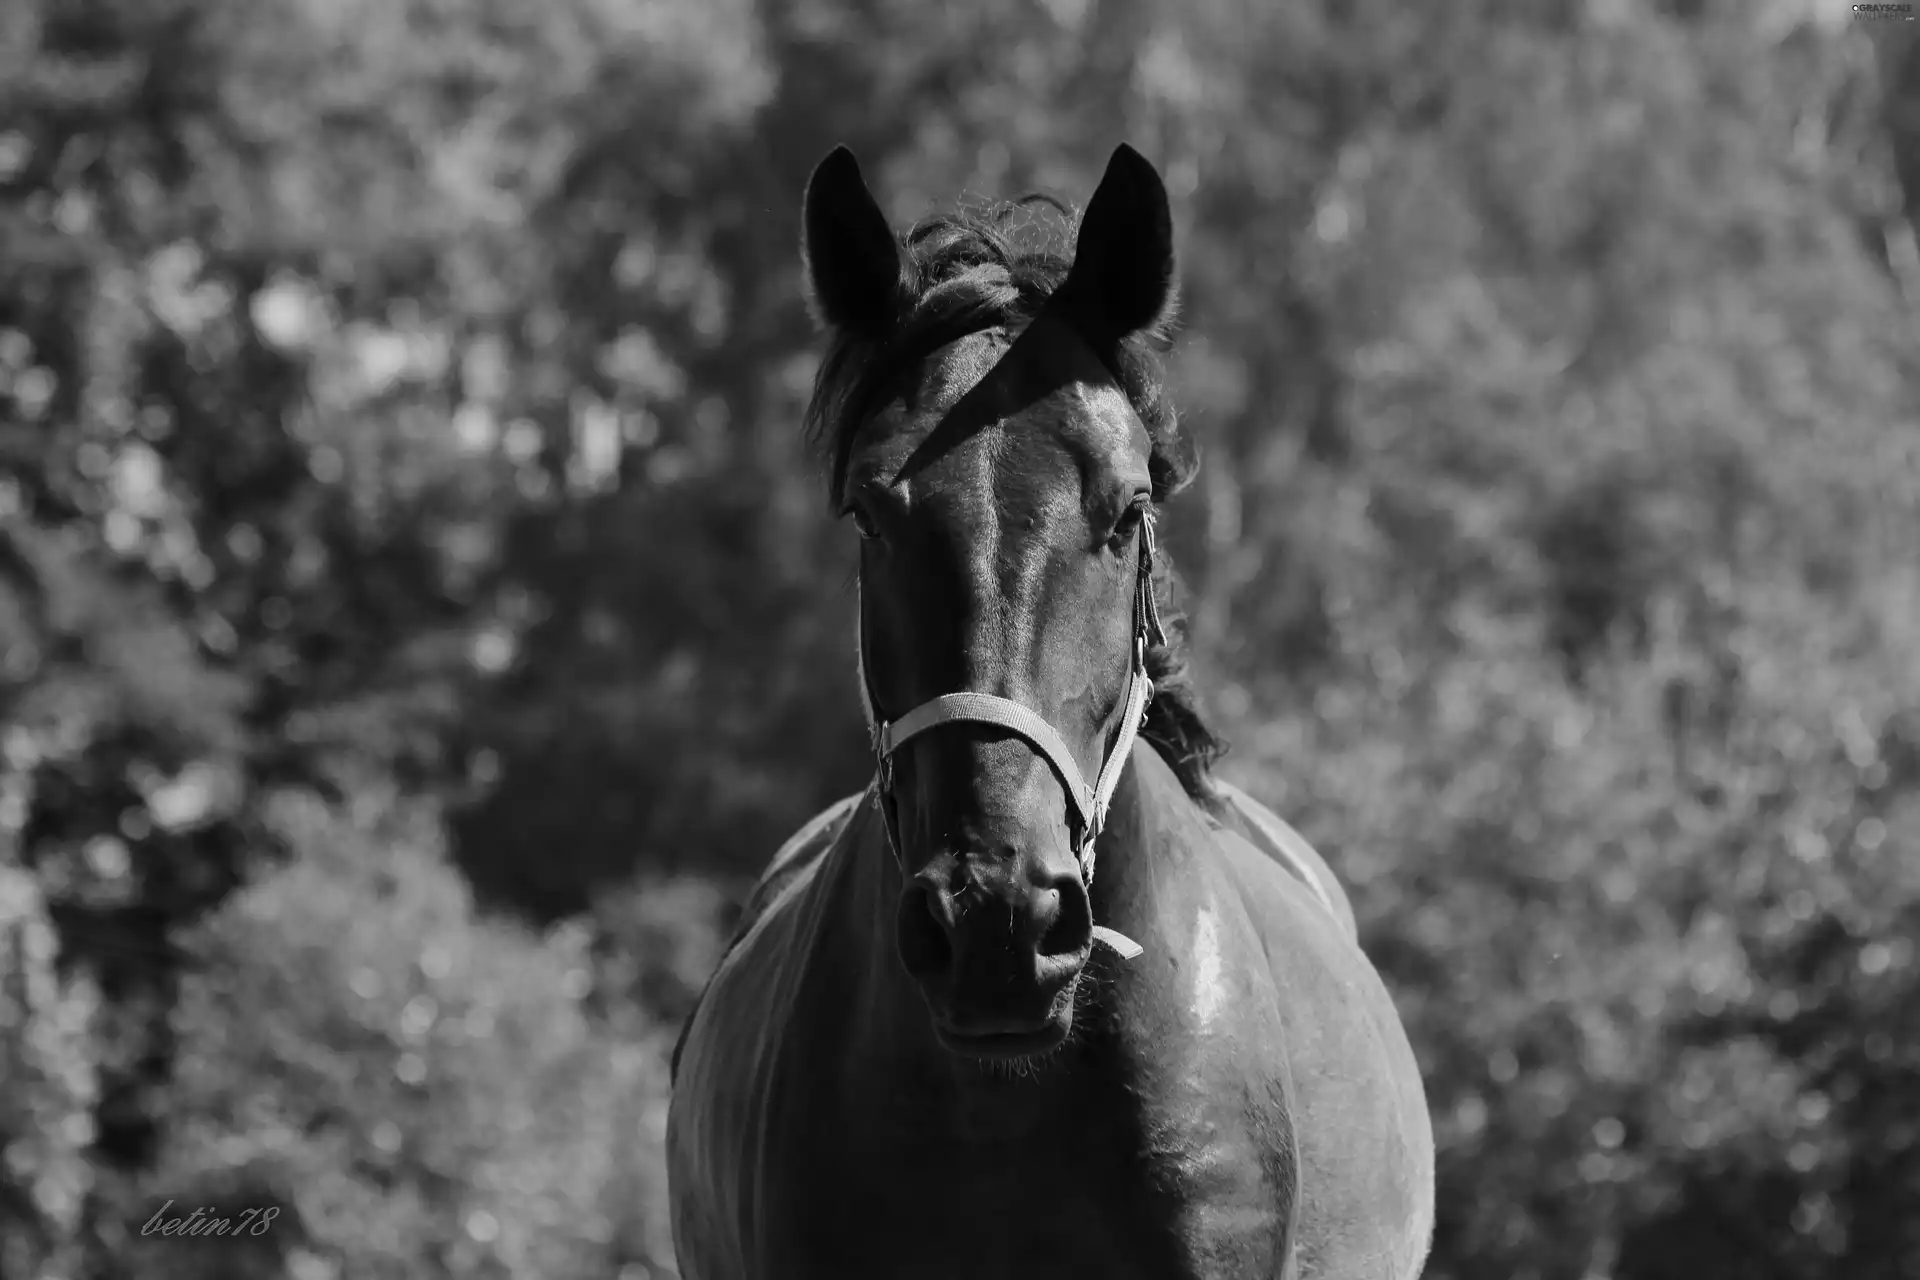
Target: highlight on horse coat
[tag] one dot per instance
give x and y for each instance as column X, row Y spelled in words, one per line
column 1048, row 998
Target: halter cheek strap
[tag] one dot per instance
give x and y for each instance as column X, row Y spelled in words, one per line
column 1088, row 803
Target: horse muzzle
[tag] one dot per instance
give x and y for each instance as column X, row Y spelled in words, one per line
column 997, row 960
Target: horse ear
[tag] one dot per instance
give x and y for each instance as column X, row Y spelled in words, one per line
column 852, row 260
column 1122, row 277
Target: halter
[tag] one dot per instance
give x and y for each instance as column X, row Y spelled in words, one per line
column 1087, row 806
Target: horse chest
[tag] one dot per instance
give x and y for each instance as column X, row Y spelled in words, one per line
column 929, row 1211
column 899, row 1174
column 819, row 1131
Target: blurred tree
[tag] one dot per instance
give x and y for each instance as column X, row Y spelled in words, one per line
column 399, row 447
column 190, row 568
column 47, row 1060
column 418, row 1091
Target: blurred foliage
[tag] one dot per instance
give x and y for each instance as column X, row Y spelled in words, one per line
column 422, row 1090
column 418, row 618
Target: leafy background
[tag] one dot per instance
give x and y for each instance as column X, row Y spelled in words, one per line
column 418, row 617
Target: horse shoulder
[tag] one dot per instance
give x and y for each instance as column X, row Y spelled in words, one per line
column 802, row 850
column 1358, row 1103
column 1274, row 837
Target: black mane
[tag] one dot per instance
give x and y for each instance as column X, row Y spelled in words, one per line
column 974, row 269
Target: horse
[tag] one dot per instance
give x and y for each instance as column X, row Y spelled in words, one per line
column 938, row 1044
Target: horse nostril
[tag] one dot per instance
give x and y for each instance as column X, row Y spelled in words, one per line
column 925, row 949
column 1071, row 928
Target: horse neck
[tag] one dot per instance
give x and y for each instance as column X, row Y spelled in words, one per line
column 1149, row 829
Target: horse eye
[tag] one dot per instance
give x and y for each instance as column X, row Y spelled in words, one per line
column 863, row 522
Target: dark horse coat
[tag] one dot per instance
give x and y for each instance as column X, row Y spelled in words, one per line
column 1247, row 1093
column 917, row 1060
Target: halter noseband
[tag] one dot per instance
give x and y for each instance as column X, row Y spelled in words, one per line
column 1087, row 805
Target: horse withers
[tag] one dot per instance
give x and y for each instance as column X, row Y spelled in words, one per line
column 941, row 1045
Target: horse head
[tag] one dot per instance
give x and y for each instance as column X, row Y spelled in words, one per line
column 999, row 439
